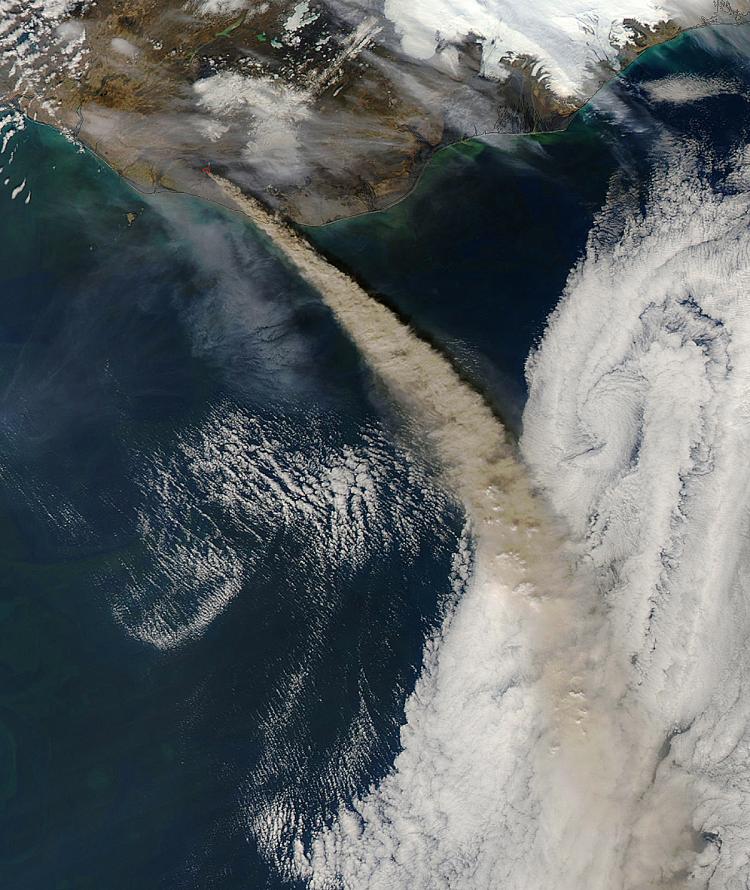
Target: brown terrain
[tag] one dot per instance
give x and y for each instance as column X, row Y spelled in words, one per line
column 315, row 112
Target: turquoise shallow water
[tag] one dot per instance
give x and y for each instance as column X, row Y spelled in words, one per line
column 479, row 253
column 142, row 367
column 219, row 557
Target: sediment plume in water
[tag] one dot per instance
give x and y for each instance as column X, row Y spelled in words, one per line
column 513, row 752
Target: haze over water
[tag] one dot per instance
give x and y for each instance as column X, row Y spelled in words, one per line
column 224, row 549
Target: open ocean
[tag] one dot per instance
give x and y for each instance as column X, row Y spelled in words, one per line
column 221, row 552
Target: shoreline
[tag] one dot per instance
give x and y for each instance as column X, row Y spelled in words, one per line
column 419, row 169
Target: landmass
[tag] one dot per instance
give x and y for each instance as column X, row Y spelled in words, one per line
column 320, row 109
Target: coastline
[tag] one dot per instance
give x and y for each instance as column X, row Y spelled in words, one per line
column 179, row 171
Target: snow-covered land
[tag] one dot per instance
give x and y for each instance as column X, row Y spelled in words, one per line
column 566, row 38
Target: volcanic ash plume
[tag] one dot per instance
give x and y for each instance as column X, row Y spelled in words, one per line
column 515, row 761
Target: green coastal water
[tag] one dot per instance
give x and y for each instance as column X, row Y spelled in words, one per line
column 157, row 599
column 475, row 255
column 219, row 559
column 479, row 253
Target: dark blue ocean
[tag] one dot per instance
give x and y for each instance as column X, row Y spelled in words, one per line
column 478, row 254
column 220, row 551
